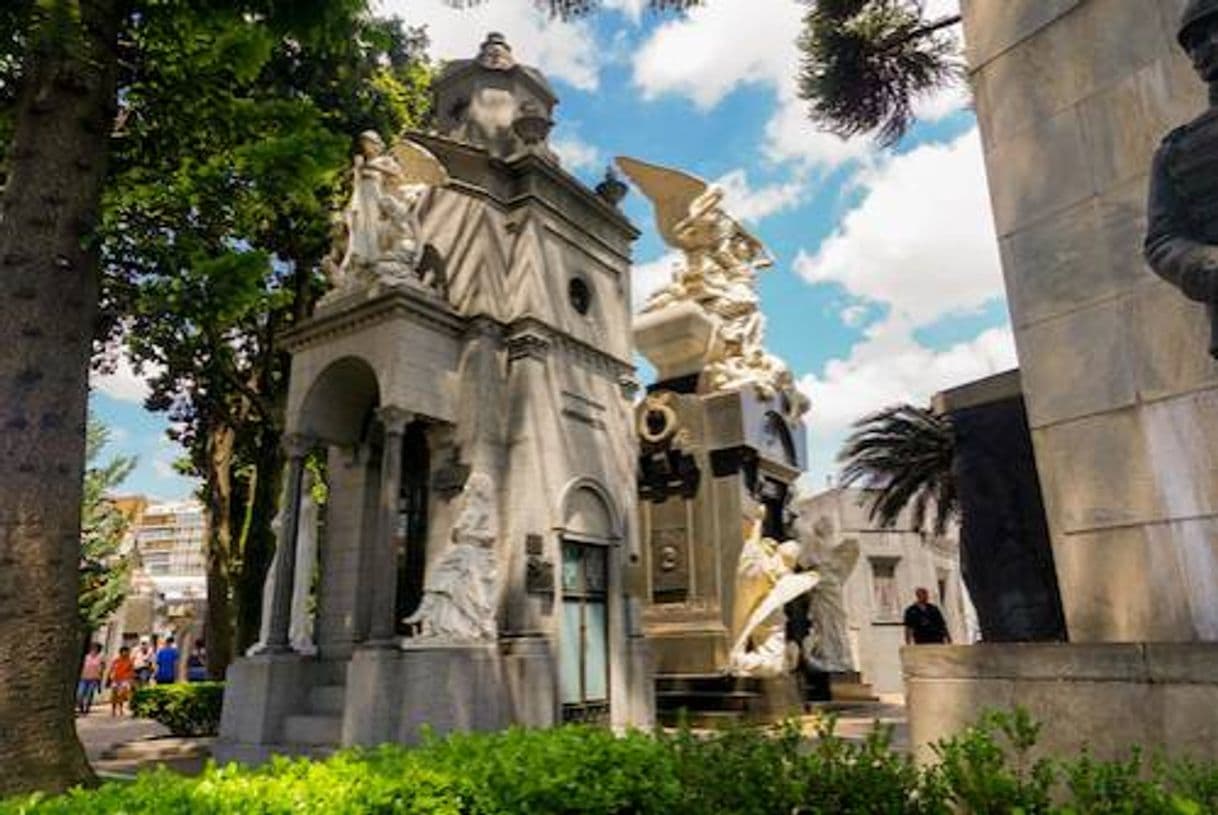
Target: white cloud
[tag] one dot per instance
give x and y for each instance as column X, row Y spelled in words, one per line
column 716, row 47
column 754, row 205
column 888, row 368
column 648, row 278
column 123, row 383
column 922, row 240
column 562, row 50
column 575, row 153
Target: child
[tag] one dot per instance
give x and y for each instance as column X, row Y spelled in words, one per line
column 121, row 678
column 90, row 678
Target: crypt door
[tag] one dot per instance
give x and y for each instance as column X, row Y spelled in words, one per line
column 584, row 641
column 411, row 534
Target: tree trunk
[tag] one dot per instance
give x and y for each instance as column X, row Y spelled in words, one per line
column 259, row 544
column 48, row 303
column 219, row 628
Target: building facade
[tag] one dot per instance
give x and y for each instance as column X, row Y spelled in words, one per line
column 892, row 564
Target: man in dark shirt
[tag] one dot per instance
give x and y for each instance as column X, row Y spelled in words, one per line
column 924, row 623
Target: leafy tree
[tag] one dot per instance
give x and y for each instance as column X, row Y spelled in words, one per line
column 104, row 570
column 903, row 453
column 62, row 64
column 865, row 63
column 231, row 160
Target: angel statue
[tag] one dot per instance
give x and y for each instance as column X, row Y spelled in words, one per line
column 766, row 581
column 720, row 255
column 459, row 597
column 826, row 648
column 380, row 234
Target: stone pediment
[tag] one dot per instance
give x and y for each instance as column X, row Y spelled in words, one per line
column 366, row 307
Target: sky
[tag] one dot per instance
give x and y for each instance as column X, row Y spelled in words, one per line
column 887, row 285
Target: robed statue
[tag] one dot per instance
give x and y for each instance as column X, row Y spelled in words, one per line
column 1182, row 235
column 459, row 591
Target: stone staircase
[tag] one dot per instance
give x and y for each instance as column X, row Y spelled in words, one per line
column 706, row 700
column 317, row 731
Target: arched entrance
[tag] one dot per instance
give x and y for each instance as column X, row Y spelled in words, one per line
column 410, row 541
column 584, row 665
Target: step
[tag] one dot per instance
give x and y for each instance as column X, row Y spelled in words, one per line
column 702, row 719
column 327, row 699
column 739, row 701
column 852, row 692
column 313, row 730
column 706, row 683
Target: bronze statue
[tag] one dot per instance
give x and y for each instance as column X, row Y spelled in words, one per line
column 1182, row 235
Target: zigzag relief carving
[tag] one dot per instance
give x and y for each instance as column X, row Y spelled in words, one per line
column 467, row 234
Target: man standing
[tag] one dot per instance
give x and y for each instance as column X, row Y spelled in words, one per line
column 924, row 623
column 167, row 663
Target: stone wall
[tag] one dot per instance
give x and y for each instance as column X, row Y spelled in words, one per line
column 1105, row 696
column 1073, row 97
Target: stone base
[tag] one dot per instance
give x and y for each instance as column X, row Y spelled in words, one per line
column 1105, row 696
column 259, row 693
column 392, row 695
column 676, row 339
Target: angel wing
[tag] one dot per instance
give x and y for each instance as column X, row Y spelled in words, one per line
column 785, row 590
column 670, row 191
column 843, row 559
column 419, row 165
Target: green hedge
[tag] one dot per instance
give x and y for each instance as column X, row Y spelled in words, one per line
column 187, row 709
column 588, row 770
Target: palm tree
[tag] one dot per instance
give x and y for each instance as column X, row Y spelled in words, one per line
column 865, row 62
column 904, row 453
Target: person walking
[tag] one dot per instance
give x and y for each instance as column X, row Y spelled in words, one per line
column 924, row 623
column 121, row 679
column 91, row 671
column 143, row 659
column 167, row 658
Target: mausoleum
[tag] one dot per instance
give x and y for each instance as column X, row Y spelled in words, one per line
column 467, row 387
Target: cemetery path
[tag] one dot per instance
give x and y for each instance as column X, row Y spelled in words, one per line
column 121, row 745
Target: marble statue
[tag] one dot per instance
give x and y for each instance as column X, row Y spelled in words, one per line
column 1182, row 232
column 378, row 238
column 459, row 592
column 719, row 262
column 826, row 647
column 300, row 626
column 766, row 581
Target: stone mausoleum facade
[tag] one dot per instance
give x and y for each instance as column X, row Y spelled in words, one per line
column 468, row 385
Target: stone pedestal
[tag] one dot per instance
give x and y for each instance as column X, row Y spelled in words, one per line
column 260, row 692
column 676, row 339
column 1107, row 697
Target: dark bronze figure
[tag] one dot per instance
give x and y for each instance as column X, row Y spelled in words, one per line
column 1182, row 236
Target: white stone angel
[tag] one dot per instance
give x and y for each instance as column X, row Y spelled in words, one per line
column 827, row 645
column 380, row 224
column 766, row 581
column 459, row 596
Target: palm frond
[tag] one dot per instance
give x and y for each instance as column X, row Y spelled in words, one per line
column 865, row 63
column 904, row 455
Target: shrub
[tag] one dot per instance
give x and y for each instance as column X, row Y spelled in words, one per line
column 590, row 771
column 190, row 709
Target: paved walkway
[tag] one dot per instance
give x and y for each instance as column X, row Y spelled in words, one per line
column 121, row 745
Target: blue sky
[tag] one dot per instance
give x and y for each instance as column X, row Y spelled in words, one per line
column 887, row 284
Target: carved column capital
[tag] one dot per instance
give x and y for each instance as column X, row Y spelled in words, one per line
column 528, row 344
column 394, row 419
column 297, row 445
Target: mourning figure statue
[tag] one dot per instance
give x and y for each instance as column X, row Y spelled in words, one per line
column 1182, row 236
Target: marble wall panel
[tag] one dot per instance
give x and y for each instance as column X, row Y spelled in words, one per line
column 992, row 27
column 1170, row 337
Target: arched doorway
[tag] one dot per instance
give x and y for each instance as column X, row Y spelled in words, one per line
column 584, row 665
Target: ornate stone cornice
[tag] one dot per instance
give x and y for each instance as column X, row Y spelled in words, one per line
column 528, row 345
column 366, row 308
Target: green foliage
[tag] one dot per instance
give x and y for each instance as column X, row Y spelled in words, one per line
column 865, row 63
column 568, row 9
column 591, row 771
column 104, row 570
column 905, row 454
column 187, row 709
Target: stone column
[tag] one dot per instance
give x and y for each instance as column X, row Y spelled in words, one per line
column 277, row 641
column 382, row 626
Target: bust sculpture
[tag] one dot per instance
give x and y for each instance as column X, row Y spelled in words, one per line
column 1182, row 211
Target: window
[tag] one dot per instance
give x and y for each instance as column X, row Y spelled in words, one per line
column 584, row 649
column 580, row 295
column 886, row 603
